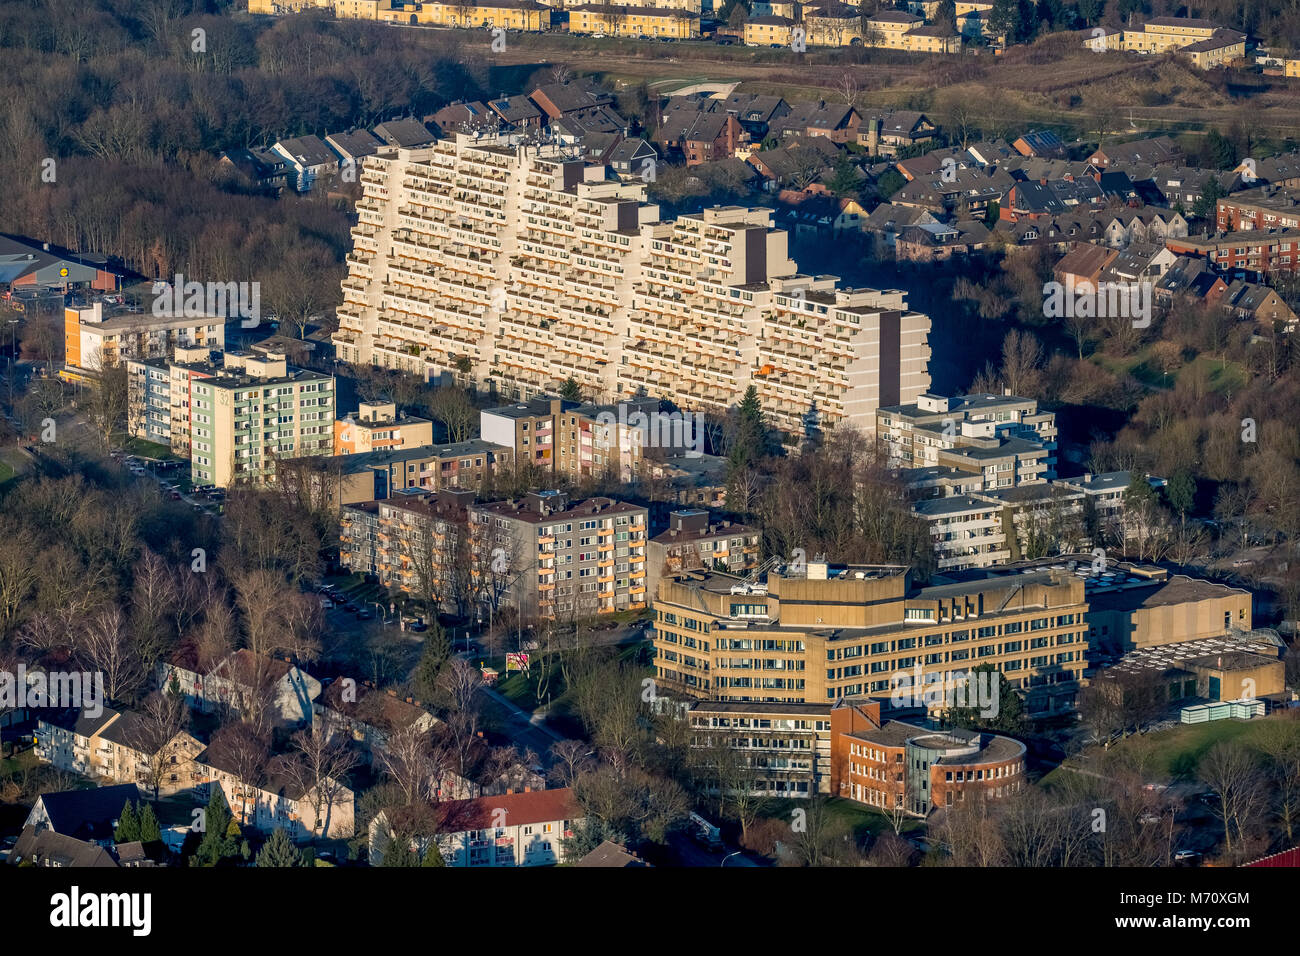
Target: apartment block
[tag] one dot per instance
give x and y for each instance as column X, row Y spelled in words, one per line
column 566, row 559
column 826, row 632
column 252, row 411
column 694, row 541
column 413, row 542
column 370, row 476
column 1261, row 209
column 582, row 440
column 1003, row 438
column 504, row 261
column 377, row 426
column 1208, row 44
column 634, row 21
column 786, row 747
column 94, row 340
column 1258, row 254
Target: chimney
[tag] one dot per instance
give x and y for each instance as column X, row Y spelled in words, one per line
column 527, row 789
column 392, row 693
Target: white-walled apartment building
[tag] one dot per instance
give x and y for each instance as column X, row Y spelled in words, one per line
column 1003, row 439
column 513, row 264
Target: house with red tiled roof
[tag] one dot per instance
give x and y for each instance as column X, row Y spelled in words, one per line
column 512, row 829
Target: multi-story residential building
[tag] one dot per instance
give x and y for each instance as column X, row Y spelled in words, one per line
column 768, row 30
column 414, row 542
column 1261, row 209
column 130, row 751
column 511, row 264
column 511, row 829
column 507, row 14
column 582, row 440
column 243, row 683
column 251, row 411
column 694, row 542
column 786, row 747
column 309, row 157
column 1105, row 495
column 894, row 765
column 1004, row 438
column 371, row 476
column 71, row 740
column 822, row 633
column 377, row 427
column 275, row 800
column 1208, row 44
column 356, row 712
column 560, row 559
column 966, row 531
column 94, row 341
column 1249, row 253
column 634, row 21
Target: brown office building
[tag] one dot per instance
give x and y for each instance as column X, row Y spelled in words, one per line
column 821, row 633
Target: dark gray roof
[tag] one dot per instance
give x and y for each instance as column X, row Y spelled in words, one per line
column 88, row 814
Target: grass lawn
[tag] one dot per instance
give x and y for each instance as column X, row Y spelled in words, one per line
column 863, row 822
column 1176, row 753
column 6, row 472
column 149, row 449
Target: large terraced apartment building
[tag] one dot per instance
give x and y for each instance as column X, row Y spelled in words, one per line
column 512, row 263
column 826, row 632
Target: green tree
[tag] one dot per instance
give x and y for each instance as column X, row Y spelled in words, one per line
column 432, row 855
column 844, row 180
column 128, row 825
column 150, row 831
column 437, row 652
column 751, row 438
column 218, row 842
column 889, row 182
column 398, row 852
column 991, row 214
column 279, row 851
column 1182, row 492
column 571, row 390
column 1008, row 709
column 1222, row 154
column 1206, row 205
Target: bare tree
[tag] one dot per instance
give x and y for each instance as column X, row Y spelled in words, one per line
column 106, row 645
column 408, row 756
column 242, row 750
column 451, row 407
column 159, row 720
column 572, row 759
column 1235, row 775
column 320, row 766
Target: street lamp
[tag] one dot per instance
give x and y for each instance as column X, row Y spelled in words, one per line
column 728, row 857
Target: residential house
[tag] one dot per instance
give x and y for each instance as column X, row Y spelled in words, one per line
column 407, row 133
column 1040, row 142
column 244, row 682
column 309, row 157
column 356, row 712
column 89, row 815
column 518, row 829
column 1154, row 151
column 49, row 848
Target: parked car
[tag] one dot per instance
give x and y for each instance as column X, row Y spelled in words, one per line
column 175, row 496
column 350, row 607
column 417, row 626
column 364, row 614
column 1187, row 856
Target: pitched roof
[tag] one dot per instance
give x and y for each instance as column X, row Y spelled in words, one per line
column 404, row 132
column 377, row 708
column 610, row 854
column 48, row 848
column 537, row 806
column 308, row 150
column 87, row 814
